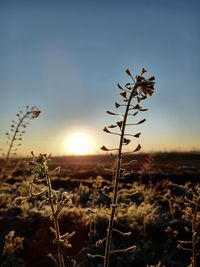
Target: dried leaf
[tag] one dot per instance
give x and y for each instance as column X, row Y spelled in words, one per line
column 105, row 129
column 140, row 122
column 112, row 126
column 137, row 135
column 143, row 109
column 128, row 72
column 127, row 84
column 137, row 106
column 123, row 94
column 111, row 113
column 117, row 105
column 137, row 148
column 104, row 148
column 126, row 141
column 139, row 78
column 120, row 123
column 152, row 78
column 119, row 86
column 143, row 71
column 134, row 114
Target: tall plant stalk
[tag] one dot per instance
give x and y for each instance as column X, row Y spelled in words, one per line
column 61, row 262
column 138, row 90
column 192, row 216
column 41, row 188
column 116, row 182
column 194, row 234
column 17, row 129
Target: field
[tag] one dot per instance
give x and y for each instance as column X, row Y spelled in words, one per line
column 158, row 197
column 107, row 82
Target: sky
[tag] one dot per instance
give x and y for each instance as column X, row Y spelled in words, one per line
column 66, row 57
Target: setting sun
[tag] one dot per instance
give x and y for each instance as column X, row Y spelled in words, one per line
column 79, row 144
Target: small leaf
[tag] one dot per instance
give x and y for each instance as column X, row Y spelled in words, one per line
column 143, row 97
column 111, row 113
column 117, row 105
column 104, row 148
column 137, row 135
column 137, row 106
column 128, row 72
column 119, row 123
column 143, row 71
column 137, row 148
column 143, row 109
column 112, row 126
column 127, row 84
column 152, row 78
column 119, row 86
column 105, row 129
column 140, row 122
column 134, row 114
column 126, row 141
column 35, row 113
column 140, row 78
column 123, row 94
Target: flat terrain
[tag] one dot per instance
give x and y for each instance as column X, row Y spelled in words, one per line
column 174, row 166
column 156, row 213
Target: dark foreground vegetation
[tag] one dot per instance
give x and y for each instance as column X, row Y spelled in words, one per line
column 160, row 215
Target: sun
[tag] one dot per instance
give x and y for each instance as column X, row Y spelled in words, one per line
column 79, row 144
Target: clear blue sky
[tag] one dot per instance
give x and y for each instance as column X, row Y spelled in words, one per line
column 66, row 57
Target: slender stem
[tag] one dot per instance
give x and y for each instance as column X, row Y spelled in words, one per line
column 15, row 133
column 194, row 236
column 116, row 182
column 55, row 220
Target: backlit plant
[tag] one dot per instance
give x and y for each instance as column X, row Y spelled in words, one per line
column 132, row 94
column 41, row 188
column 192, row 216
column 13, row 245
column 18, row 128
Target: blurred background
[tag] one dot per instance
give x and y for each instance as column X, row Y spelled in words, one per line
column 66, row 57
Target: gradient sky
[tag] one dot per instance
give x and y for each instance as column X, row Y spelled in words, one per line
column 66, row 57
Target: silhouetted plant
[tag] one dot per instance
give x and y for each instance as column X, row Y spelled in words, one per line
column 55, row 199
column 17, row 129
column 136, row 91
column 12, row 245
column 192, row 216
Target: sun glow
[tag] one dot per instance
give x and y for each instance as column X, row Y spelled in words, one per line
column 79, row 144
